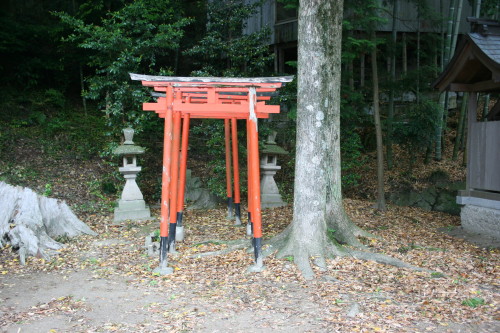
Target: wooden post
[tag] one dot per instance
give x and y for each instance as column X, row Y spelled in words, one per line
column 227, row 139
column 179, row 233
column 236, row 171
column 165, row 188
column 174, row 182
column 254, row 172
column 249, row 183
column 472, row 119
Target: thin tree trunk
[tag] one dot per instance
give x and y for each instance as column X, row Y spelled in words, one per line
column 477, row 12
column 455, row 13
column 405, row 55
column 449, row 32
column 390, row 112
column 418, row 58
column 350, row 67
column 456, row 27
column 362, row 71
column 80, row 70
column 443, row 38
column 82, row 88
column 444, row 96
column 378, row 129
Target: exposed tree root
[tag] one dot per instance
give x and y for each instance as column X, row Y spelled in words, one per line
column 382, row 259
column 303, row 257
column 285, row 246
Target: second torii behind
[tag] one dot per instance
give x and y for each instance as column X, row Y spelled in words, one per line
column 207, row 97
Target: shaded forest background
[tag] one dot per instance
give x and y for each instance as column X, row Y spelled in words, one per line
column 65, row 93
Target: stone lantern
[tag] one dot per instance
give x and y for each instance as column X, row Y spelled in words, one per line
column 131, row 205
column 270, row 195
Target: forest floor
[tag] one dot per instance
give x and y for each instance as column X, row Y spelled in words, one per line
column 105, row 283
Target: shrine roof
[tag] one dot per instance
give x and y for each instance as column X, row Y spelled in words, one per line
column 476, row 63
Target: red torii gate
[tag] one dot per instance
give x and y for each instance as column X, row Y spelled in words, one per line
column 218, row 98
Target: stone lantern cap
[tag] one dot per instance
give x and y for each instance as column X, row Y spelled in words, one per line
column 273, row 149
column 128, row 147
column 128, row 150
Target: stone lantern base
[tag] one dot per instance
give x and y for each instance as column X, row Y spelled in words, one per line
column 131, row 210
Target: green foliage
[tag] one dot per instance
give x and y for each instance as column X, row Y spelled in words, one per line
column 290, row 4
column 414, row 128
column 138, row 37
column 437, row 275
column 439, row 175
column 29, row 40
column 474, row 302
column 225, row 50
column 209, row 144
column 353, row 119
column 18, row 174
column 48, row 190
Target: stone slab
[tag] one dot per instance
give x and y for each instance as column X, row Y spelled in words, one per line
column 481, row 220
column 131, row 210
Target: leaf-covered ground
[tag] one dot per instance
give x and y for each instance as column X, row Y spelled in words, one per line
column 105, row 283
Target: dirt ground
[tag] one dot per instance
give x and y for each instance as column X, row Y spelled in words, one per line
column 106, row 284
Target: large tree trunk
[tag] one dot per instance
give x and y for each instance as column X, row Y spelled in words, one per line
column 318, row 211
column 318, row 96
column 30, row 223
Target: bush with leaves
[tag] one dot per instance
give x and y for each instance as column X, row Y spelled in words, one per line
column 225, row 50
column 139, row 37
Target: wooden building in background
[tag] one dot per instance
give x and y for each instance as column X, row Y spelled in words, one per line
column 475, row 69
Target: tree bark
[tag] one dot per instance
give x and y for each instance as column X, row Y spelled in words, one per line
column 318, row 97
column 31, row 223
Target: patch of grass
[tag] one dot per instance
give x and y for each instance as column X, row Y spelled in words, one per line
column 338, row 301
column 474, row 302
column 93, row 261
column 63, row 239
column 208, row 243
column 439, row 175
column 289, row 258
column 460, row 280
column 409, row 247
column 436, row 249
column 437, row 275
column 48, row 190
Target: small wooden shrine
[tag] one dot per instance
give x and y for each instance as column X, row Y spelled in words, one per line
column 474, row 69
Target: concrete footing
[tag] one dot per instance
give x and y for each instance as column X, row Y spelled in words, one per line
column 481, row 220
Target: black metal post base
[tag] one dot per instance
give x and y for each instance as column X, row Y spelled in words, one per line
column 171, row 237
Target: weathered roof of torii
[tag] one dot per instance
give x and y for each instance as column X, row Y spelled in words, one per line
column 476, row 63
column 214, row 97
column 211, row 80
